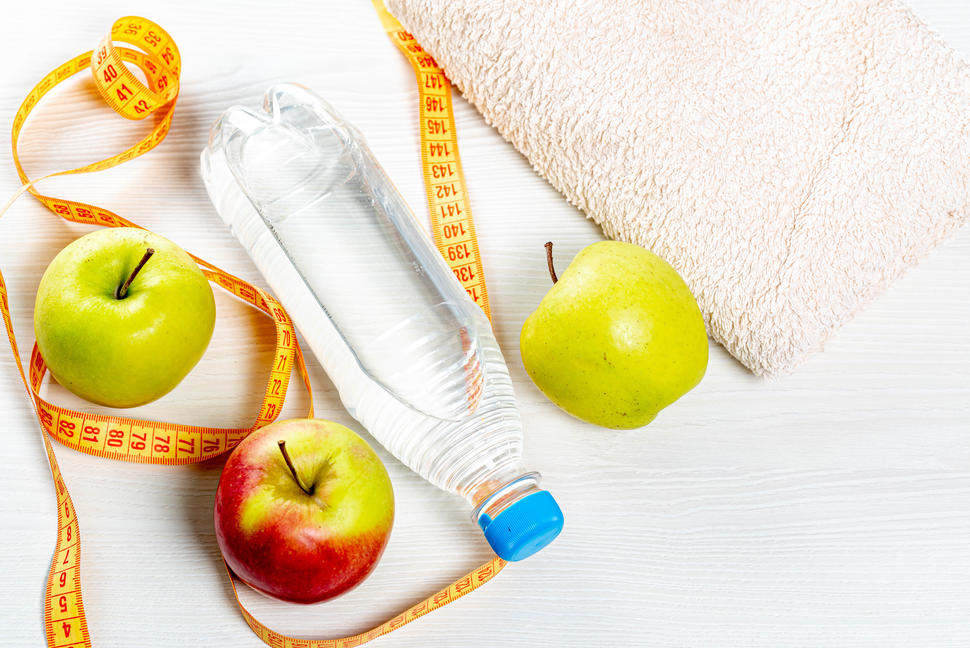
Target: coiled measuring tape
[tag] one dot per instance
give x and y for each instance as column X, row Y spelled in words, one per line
column 146, row 441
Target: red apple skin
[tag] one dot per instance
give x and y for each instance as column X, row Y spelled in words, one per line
column 293, row 546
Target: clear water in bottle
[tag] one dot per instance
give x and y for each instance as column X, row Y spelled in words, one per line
column 413, row 358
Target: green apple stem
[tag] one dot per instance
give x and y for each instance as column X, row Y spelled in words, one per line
column 122, row 291
column 552, row 268
column 289, row 464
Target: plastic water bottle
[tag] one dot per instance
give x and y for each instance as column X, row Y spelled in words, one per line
column 413, row 358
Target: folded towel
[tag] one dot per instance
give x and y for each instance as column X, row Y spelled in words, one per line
column 788, row 157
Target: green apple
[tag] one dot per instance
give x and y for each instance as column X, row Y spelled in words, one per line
column 303, row 510
column 119, row 325
column 617, row 338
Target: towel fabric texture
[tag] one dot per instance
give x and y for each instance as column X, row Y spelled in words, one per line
column 788, row 157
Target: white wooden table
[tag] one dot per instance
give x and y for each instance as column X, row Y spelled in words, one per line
column 831, row 507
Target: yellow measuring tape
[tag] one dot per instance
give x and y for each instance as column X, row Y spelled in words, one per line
column 444, row 180
column 155, row 442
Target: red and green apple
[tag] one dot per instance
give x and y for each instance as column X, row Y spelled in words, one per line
column 303, row 510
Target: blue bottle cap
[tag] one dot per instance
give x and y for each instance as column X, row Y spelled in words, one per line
column 525, row 527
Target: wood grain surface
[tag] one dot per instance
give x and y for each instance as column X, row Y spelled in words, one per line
column 826, row 508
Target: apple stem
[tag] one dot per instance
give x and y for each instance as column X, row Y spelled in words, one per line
column 122, row 291
column 289, row 464
column 552, row 268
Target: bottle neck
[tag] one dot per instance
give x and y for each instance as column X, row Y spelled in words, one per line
column 504, row 495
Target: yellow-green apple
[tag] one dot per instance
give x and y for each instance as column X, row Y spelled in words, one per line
column 122, row 315
column 304, row 509
column 617, row 338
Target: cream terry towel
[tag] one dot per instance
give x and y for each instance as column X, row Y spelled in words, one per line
column 788, row 157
